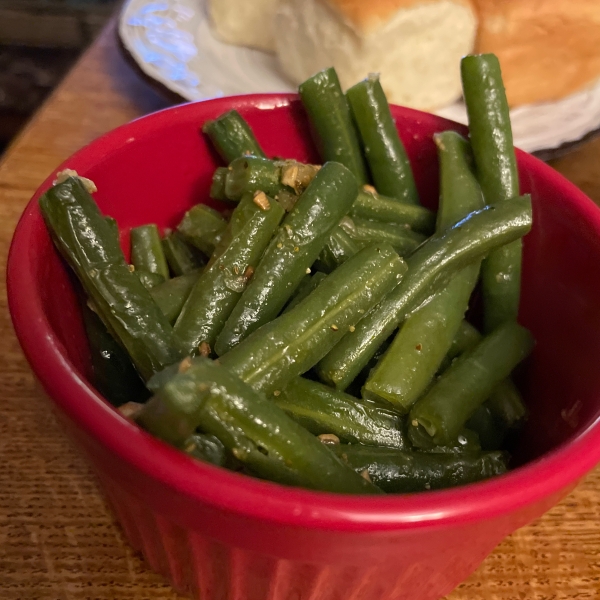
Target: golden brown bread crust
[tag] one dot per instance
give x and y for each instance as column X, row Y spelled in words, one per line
column 369, row 14
column 548, row 49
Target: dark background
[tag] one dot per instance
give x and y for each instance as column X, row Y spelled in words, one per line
column 39, row 41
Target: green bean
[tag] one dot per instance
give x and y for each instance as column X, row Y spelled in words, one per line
column 217, row 186
column 114, row 227
column 430, row 267
column 375, row 207
column 306, row 287
column 183, row 258
column 115, row 376
column 338, row 249
column 87, row 241
column 418, row 349
column 386, row 156
column 505, row 403
column 365, row 232
column 252, row 174
column 147, row 251
column 149, row 280
column 491, row 138
column 332, row 126
column 259, row 434
column 491, row 434
column 219, row 288
column 202, row 227
column 323, row 410
column 468, row 382
column 291, row 344
column 397, row 471
column 231, row 136
column 207, row 448
column 467, row 442
column 292, row 251
column 172, row 294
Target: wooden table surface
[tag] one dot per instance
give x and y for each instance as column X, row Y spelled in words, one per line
column 57, row 539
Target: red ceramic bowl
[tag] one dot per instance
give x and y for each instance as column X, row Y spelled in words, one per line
column 218, row 534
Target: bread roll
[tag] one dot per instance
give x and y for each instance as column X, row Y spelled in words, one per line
column 416, row 45
column 244, row 22
column 547, row 49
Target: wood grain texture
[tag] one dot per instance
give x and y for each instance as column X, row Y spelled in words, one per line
column 57, row 539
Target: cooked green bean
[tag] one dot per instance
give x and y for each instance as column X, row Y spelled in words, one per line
column 114, row 227
column 292, row 251
column 505, row 403
column 232, row 137
column 492, row 141
column 430, row 267
column 397, row 471
column 147, row 251
column 291, row 344
column 252, row 174
column 365, row 232
column 217, row 187
column 468, row 382
column 338, row 249
column 149, row 280
column 418, row 349
column 258, row 433
column 375, row 207
column 306, row 287
column 334, row 131
column 88, row 243
column 323, row 410
column 202, row 227
column 467, row 442
column 386, row 156
column 183, row 258
column 114, row 374
column 206, row 447
column 219, row 288
column 172, row 294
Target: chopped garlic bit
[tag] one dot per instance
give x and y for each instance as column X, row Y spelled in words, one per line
column 334, row 327
column 352, row 329
column 185, row 364
column 62, row 176
column 308, row 271
column 131, row 268
column 204, row 349
column 261, row 200
column 369, row 188
column 365, row 475
column 329, row 438
column 249, row 272
column 414, row 423
column 276, row 393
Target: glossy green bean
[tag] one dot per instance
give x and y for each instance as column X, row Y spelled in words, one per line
column 505, row 402
column 183, row 258
column 468, row 382
column 397, row 471
column 333, row 129
column 338, row 249
column 492, row 141
column 202, row 227
column 147, row 251
column 115, row 376
column 430, row 268
column 306, row 287
column 232, row 136
column 172, row 294
column 322, row 410
column 86, row 240
column 252, row 174
column 149, row 280
column 291, row 344
column 424, row 339
column 364, row 232
column 375, row 207
column 217, row 186
column 206, row 447
column 292, row 251
column 219, row 288
column 258, row 433
column 386, row 155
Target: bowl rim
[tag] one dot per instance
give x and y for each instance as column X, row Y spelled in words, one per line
column 549, row 475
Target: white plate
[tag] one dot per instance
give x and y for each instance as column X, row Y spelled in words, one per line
column 172, row 42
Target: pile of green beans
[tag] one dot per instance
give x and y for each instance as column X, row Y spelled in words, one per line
column 317, row 336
